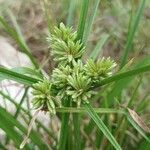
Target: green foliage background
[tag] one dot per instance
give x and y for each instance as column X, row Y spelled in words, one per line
column 119, row 29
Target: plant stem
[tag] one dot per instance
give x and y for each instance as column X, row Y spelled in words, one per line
column 76, row 123
column 64, row 128
column 83, row 110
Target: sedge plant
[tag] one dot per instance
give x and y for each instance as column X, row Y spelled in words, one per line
column 72, row 80
column 69, row 90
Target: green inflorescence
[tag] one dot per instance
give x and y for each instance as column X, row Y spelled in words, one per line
column 65, row 47
column 43, row 96
column 71, row 78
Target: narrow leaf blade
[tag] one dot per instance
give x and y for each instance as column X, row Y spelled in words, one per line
column 82, row 21
column 131, row 32
column 11, row 75
column 102, row 126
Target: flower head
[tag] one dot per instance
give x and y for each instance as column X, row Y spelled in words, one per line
column 63, row 33
column 60, row 75
column 78, row 88
column 42, row 96
column 71, row 79
column 64, row 46
column 100, row 69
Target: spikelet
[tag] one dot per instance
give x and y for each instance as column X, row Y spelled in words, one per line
column 42, row 96
column 64, row 46
column 100, row 69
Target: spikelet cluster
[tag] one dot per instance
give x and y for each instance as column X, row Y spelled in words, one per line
column 42, row 96
column 64, row 45
column 71, row 78
column 100, row 69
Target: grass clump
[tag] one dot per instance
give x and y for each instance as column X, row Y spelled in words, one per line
column 81, row 79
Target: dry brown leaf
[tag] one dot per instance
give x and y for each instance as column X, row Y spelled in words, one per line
column 138, row 120
column 29, row 129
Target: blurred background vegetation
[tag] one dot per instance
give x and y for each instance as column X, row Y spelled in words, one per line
column 108, row 35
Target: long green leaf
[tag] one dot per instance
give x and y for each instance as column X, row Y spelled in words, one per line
column 64, row 129
column 102, row 126
column 28, row 71
column 21, row 102
column 18, row 109
column 131, row 32
column 90, row 20
column 124, row 75
column 77, row 135
column 82, row 21
column 10, row 120
column 11, row 75
column 122, row 84
column 26, row 112
column 11, row 133
column 72, row 6
column 18, row 30
column 15, row 35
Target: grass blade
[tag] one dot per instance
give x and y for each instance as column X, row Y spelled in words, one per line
column 28, row 71
column 133, row 97
column 26, row 112
column 102, row 126
column 20, row 103
column 82, row 21
column 18, row 30
column 63, row 132
column 131, row 32
column 11, row 133
column 80, row 32
column 122, row 84
column 77, row 135
column 15, row 35
column 64, row 129
column 138, row 128
column 71, row 10
column 11, row 75
column 18, row 109
column 90, row 20
column 10, row 120
column 99, row 46
column 126, row 74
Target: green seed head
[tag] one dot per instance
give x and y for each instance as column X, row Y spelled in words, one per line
column 64, row 46
column 100, row 69
column 42, row 96
column 71, row 78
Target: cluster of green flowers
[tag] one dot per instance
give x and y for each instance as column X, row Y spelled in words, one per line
column 71, row 79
